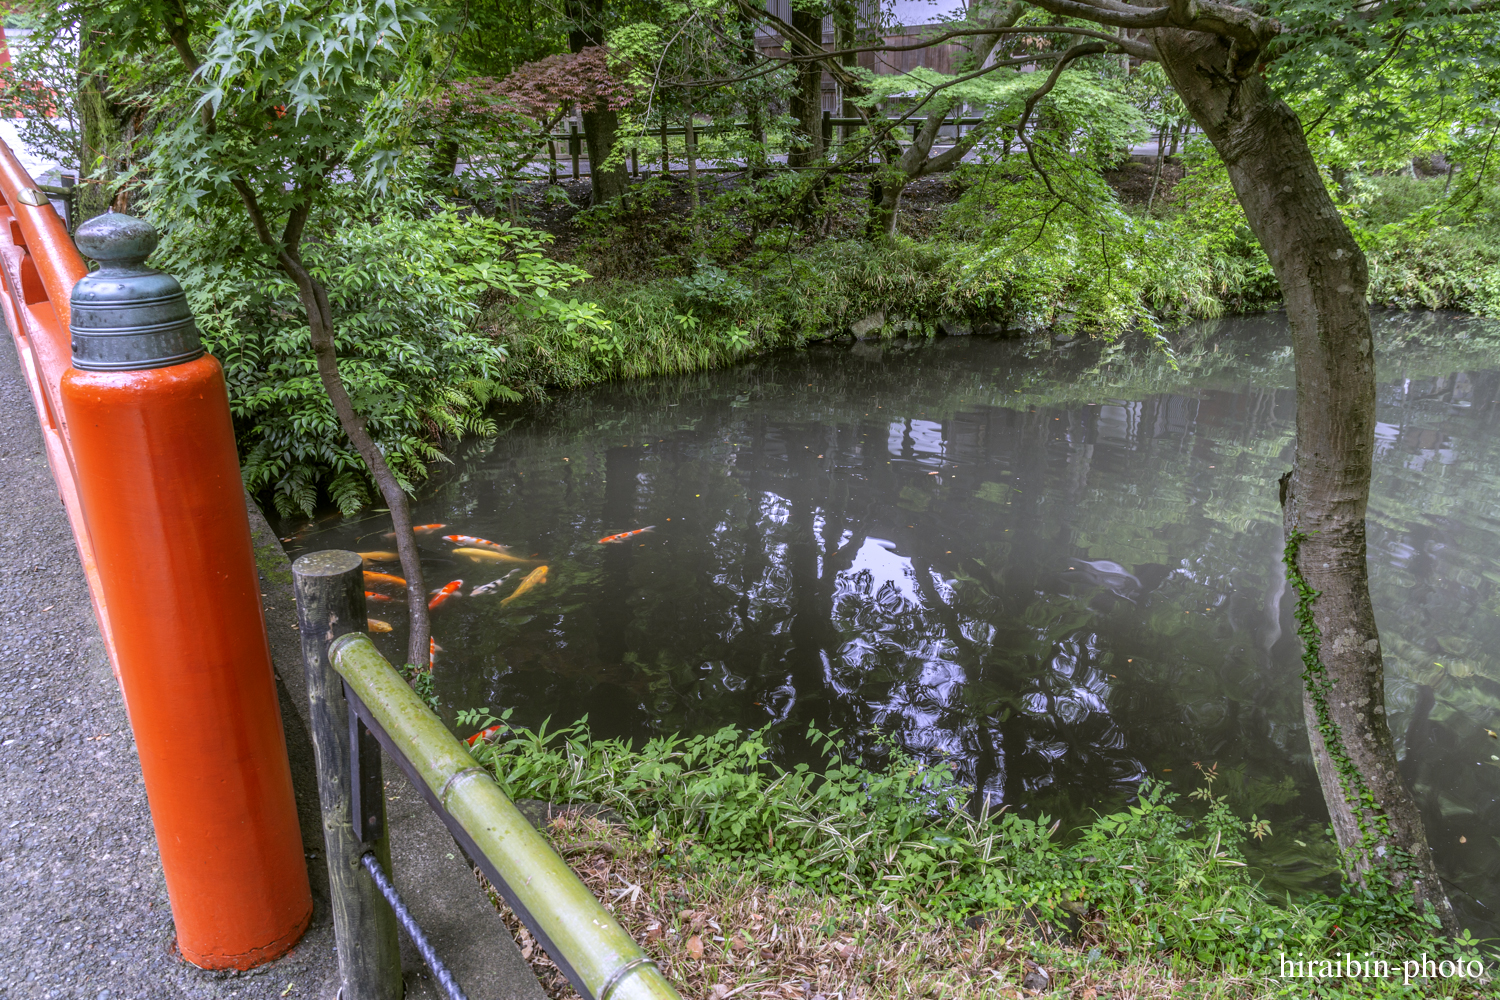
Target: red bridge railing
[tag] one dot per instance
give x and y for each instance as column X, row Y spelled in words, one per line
column 144, row 459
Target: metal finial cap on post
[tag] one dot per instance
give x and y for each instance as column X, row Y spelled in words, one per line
column 127, row 316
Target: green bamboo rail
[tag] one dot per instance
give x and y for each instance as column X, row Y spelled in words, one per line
column 610, row 963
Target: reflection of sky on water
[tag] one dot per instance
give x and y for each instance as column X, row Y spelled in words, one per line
column 1088, row 593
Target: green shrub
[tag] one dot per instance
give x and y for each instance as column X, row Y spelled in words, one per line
column 418, row 366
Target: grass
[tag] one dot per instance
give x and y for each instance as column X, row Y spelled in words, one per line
column 719, row 933
column 849, row 881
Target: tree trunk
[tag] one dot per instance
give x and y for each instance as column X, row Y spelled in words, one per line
column 901, row 167
column 885, row 203
column 320, row 322
column 807, row 96
column 444, row 159
column 845, row 29
column 600, row 128
column 601, row 125
column 1323, row 277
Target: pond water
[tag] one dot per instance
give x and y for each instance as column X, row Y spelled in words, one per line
column 1056, row 569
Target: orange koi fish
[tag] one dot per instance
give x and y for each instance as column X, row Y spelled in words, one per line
column 370, row 595
column 625, row 535
column 420, row 529
column 441, row 596
column 486, row 555
column 535, row 578
column 378, row 579
column 376, row 625
column 484, row 734
column 476, row 543
column 379, row 557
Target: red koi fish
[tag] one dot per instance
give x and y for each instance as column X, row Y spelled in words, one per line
column 626, row 535
column 370, row 595
column 476, row 543
column 441, row 596
column 420, row 529
column 483, row 735
column 373, row 579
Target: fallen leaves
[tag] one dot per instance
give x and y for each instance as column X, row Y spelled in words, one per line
column 719, row 934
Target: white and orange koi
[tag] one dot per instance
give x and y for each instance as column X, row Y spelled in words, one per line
column 476, row 543
column 625, row 535
column 440, row 597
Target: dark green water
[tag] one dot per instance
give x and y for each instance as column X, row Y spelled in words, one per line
column 1058, row 573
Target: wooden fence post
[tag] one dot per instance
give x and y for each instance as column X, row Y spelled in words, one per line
column 330, row 603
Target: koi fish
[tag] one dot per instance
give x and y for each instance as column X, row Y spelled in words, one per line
column 376, row 625
column 535, row 578
column 441, row 596
column 433, row 649
column 378, row 579
column 370, row 595
column 484, row 734
column 482, row 555
column 493, row 586
column 625, row 535
column 420, row 529
column 379, row 557
column 476, row 543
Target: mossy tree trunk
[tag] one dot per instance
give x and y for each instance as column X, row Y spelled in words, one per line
column 807, row 95
column 1323, row 278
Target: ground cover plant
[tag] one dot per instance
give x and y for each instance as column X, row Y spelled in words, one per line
column 745, row 877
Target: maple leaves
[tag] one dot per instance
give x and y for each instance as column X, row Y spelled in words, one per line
column 543, row 90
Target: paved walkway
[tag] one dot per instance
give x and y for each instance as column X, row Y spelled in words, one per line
column 83, row 907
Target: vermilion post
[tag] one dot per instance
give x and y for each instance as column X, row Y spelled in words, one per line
column 159, row 483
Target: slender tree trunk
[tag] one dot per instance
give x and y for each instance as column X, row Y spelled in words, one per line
column 845, row 28
column 320, row 325
column 690, row 144
column 807, row 97
column 601, row 125
column 320, row 321
column 1323, row 277
column 755, row 104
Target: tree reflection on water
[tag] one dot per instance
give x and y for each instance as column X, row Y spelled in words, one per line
column 1059, row 576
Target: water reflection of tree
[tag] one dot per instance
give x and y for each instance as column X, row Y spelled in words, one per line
column 757, row 604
